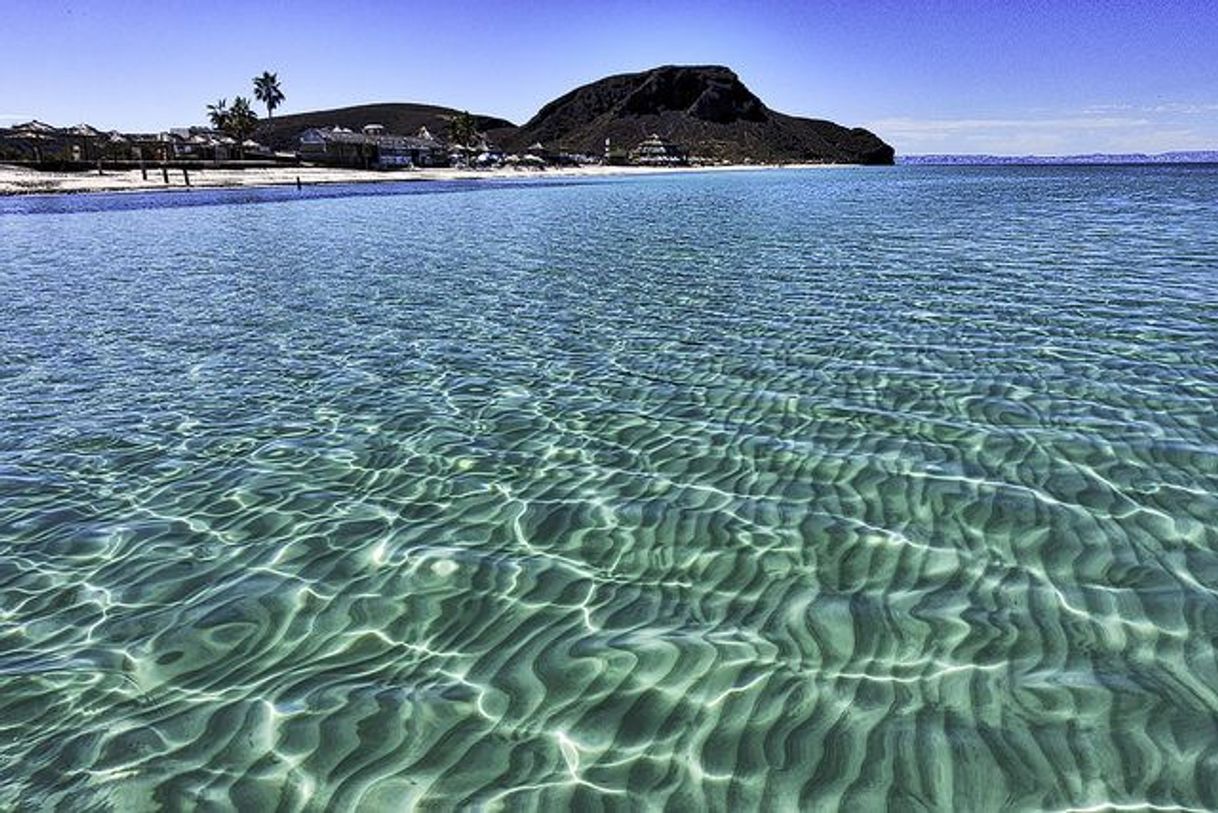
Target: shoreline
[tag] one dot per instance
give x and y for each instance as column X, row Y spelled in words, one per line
column 23, row 181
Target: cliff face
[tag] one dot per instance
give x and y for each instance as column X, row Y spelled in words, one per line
column 705, row 108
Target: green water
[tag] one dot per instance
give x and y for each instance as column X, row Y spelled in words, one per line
column 785, row 490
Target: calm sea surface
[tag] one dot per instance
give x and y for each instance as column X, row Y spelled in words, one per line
column 774, row 490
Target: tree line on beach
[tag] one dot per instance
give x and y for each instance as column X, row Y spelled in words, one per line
column 239, row 121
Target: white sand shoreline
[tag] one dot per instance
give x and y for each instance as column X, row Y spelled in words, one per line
column 24, row 181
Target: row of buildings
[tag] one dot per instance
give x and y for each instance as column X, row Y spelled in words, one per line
column 41, row 143
column 371, row 147
column 655, row 151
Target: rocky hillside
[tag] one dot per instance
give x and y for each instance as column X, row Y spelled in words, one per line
column 707, row 109
column 283, row 132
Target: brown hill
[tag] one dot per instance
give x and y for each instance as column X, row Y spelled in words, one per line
column 705, row 108
column 283, row 132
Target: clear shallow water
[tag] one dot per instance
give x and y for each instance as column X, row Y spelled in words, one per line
column 779, row 490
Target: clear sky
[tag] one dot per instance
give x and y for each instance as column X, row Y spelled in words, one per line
column 1008, row 77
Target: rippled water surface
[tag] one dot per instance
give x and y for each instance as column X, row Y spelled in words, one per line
column 782, row 490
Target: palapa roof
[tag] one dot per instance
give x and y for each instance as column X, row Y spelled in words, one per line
column 35, row 126
column 85, row 131
column 34, row 129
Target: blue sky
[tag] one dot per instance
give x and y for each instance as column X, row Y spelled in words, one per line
column 1024, row 76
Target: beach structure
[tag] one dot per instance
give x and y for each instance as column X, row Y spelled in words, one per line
column 116, row 146
column 371, row 148
column 209, row 144
column 38, row 142
column 32, row 139
column 481, row 154
column 538, row 154
column 458, row 154
column 34, row 126
column 614, row 154
column 8, row 146
column 485, row 154
column 68, row 147
column 85, row 142
column 657, row 151
column 200, row 143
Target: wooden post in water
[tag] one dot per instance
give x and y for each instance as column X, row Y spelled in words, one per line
column 186, row 175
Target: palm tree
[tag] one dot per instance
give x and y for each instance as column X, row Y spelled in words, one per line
column 218, row 114
column 267, row 91
column 242, row 121
column 462, row 129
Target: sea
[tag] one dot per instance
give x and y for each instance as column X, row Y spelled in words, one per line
column 848, row 488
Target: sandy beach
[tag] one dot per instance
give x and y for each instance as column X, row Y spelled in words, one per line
column 24, row 181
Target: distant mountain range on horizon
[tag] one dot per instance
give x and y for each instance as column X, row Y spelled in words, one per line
column 1177, row 157
column 705, row 109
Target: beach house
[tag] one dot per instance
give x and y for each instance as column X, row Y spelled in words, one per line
column 657, row 151
column 371, row 148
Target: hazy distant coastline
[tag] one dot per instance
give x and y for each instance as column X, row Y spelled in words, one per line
column 1182, row 157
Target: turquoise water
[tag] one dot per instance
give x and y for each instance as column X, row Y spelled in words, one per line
column 779, row 490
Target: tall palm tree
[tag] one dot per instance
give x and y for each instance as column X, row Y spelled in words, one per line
column 267, row 91
column 218, row 114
